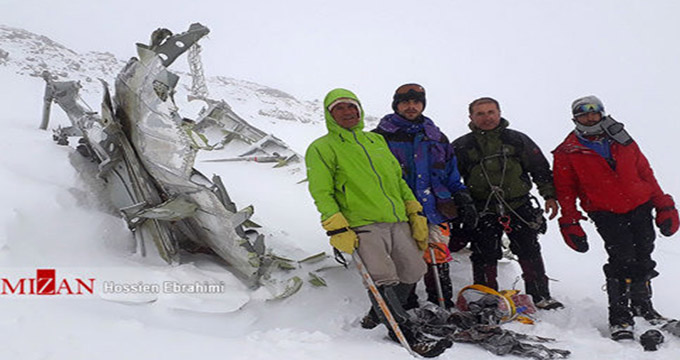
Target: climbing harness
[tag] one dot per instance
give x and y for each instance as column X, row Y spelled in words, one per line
column 497, row 193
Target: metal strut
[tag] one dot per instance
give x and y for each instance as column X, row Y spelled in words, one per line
column 199, row 89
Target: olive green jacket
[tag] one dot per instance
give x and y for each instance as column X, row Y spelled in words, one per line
column 504, row 158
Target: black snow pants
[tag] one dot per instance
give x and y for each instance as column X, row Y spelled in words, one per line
column 487, row 250
column 629, row 241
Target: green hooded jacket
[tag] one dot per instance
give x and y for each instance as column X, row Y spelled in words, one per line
column 511, row 160
column 355, row 173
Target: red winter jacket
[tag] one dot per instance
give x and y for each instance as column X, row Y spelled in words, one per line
column 580, row 172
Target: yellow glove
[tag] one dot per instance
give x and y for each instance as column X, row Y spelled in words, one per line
column 342, row 237
column 418, row 222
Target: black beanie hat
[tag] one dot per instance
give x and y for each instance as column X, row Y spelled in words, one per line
column 408, row 92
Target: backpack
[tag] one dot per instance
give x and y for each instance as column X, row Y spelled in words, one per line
column 496, row 306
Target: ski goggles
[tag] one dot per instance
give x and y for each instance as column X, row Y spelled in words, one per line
column 410, row 92
column 405, row 89
column 587, row 108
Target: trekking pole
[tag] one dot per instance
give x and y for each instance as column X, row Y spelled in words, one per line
column 370, row 285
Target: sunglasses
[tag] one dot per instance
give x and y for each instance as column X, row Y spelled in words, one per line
column 586, row 108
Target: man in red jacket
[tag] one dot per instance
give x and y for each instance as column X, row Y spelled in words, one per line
column 601, row 165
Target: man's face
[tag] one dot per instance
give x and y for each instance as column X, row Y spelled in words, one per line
column 485, row 116
column 410, row 109
column 589, row 119
column 346, row 115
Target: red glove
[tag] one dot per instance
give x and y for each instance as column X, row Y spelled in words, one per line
column 573, row 235
column 666, row 215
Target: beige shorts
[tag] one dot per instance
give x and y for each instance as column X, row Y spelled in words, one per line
column 390, row 254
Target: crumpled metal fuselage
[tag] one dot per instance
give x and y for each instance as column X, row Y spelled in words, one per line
column 145, row 154
column 144, row 102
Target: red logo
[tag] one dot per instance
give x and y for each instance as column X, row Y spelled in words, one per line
column 47, row 283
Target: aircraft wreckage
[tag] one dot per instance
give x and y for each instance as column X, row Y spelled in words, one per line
column 145, row 153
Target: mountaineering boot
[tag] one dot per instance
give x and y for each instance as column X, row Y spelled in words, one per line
column 538, row 289
column 549, row 304
column 370, row 320
column 419, row 342
column 536, row 284
column 485, row 274
column 406, row 293
column 621, row 322
column 444, row 280
column 641, row 302
column 621, row 332
column 430, row 348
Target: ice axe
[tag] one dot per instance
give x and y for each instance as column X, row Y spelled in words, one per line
column 437, row 281
column 435, row 244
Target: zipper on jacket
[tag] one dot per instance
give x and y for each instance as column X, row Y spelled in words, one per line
column 380, row 182
column 584, row 150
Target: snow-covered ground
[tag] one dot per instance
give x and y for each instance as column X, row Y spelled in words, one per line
column 51, row 218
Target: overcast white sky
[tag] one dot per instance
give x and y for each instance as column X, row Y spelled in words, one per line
column 534, row 56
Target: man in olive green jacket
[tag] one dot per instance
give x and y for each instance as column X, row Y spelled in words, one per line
column 498, row 166
column 365, row 205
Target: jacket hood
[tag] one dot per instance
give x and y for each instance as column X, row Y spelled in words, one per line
column 502, row 125
column 392, row 123
column 571, row 144
column 336, row 94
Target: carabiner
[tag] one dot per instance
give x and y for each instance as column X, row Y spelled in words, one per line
column 505, row 221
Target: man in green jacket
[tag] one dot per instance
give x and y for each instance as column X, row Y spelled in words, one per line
column 366, row 206
column 498, row 166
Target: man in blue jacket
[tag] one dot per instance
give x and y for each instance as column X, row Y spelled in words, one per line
column 429, row 167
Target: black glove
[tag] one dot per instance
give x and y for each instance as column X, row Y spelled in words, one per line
column 459, row 237
column 466, row 209
column 448, row 208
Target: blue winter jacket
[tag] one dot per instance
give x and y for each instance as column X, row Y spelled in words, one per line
column 427, row 161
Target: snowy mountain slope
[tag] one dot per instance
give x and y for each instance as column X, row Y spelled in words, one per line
column 26, row 53
column 291, row 119
column 50, row 218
